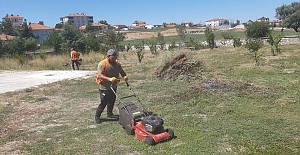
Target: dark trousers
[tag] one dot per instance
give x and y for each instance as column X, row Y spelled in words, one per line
column 108, row 99
column 77, row 64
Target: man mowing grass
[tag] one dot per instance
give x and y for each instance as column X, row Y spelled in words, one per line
column 109, row 71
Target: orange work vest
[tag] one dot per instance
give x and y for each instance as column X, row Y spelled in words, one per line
column 74, row 55
column 104, row 63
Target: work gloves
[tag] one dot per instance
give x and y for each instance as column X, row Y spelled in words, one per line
column 125, row 78
column 113, row 79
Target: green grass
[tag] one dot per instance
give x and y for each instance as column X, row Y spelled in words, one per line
column 251, row 110
column 201, row 37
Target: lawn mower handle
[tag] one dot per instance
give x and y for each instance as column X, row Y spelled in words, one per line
column 137, row 98
column 134, row 94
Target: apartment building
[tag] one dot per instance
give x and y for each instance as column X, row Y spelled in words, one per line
column 40, row 31
column 215, row 22
column 77, row 19
column 16, row 20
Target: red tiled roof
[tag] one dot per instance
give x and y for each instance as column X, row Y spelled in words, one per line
column 93, row 24
column 6, row 37
column 36, row 26
column 168, row 25
column 98, row 24
column 215, row 19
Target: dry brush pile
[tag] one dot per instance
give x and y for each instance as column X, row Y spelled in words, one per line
column 182, row 66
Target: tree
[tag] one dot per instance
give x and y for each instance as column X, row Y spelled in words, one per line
column 194, row 45
column 92, row 43
column 89, row 28
column 290, row 15
column 253, row 45
column 103, row 22
column 172, row 47
column 226, row 22
column 274, row 41
column 237, row 42
column 210, row 37
column 6, row 28
column 139, row 50
column 59, row 25
column 54, row 40
column 257, row 30
column 6, row 48
column 180, row 29
column 238, row 22
column 2, row 51
column 161, row 40
column 112, row 39
column 30, row 44
column 72, row 37
column 152, row 45
column 24, row 32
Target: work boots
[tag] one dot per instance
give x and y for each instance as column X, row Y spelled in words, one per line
column 113, row 116
column 97, row 119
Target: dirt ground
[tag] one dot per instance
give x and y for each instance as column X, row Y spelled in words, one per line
column 17, row 80
column 169, row 32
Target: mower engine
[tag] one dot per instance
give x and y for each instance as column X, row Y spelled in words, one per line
column 152, row 123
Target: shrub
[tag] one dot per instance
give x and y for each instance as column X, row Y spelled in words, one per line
column 237, row 42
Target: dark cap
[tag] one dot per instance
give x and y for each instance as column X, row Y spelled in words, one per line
column 112, row 52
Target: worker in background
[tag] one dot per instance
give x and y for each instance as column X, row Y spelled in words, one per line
column 74, row 59
column 109, row 71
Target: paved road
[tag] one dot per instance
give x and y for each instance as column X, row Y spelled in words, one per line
column 18, row 80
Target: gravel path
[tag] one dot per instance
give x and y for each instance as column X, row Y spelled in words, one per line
column 18, row 80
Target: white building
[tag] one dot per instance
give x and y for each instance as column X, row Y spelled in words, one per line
column 149, row 27
column 77, row 19
column 215, row 22
column 40, row 31
column 120, row 26
column 16, row 21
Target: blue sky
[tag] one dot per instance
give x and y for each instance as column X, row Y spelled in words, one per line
column 151, row 11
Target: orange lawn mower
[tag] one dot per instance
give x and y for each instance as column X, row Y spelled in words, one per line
column 146, row 126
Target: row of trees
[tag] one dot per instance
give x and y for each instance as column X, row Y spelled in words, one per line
column 290, row 15
column 22, row 42
column 71, row 37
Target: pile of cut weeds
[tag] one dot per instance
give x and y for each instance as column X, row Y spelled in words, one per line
column 180, row 66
